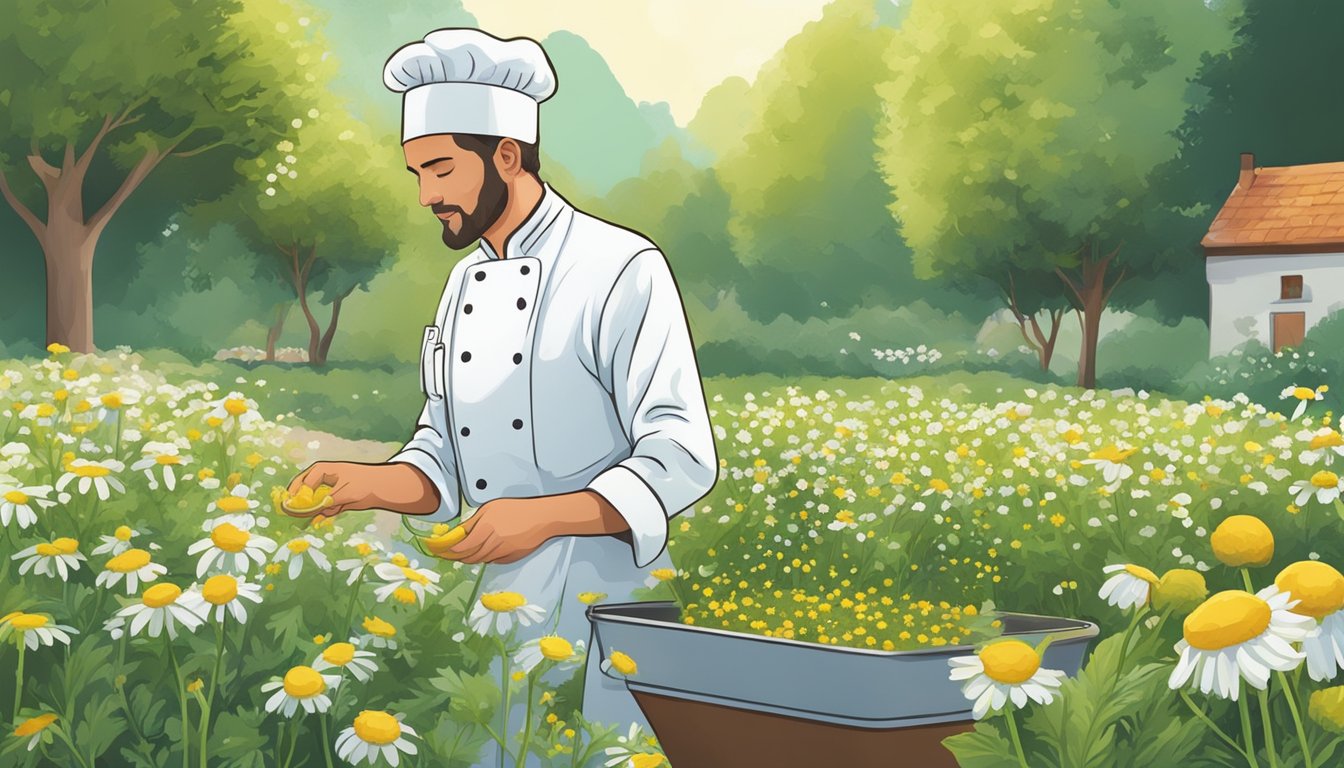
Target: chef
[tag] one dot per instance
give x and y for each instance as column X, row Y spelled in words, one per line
column 562, row 397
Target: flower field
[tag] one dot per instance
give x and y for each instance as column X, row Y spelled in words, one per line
column 158, row 609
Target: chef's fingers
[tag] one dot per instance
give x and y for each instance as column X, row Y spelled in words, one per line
column 498, row 548
column 475, row 538
column 515, row 557
column 299, row 480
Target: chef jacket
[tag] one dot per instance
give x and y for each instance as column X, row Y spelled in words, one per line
column 567, row 365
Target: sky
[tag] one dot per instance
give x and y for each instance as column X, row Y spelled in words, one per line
column 660, row 50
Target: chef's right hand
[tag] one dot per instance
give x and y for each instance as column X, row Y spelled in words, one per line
column 352, row 486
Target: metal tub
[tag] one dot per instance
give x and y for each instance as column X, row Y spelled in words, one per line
column 714, row 696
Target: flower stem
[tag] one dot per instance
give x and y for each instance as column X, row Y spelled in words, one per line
column 210, row 697
column 181, row 697
column 1017, row 740
column 1246, row 727
column 1246, row 579
column 326, row 740
column 1273, row 752
column 293, row 739
column 354, row 593
column 1290, row 693
column 504, row 685
column 1219, row 732
column 65, row 737
column 18, row 681
column 527, row 721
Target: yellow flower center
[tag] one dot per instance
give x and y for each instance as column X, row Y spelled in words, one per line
column 1226, row 619
column 47, row 549
column 503, row 602
column 413, row 575
column 160, row 595
column 1243, row 540
column 404, row 595
column 1304, row 393
column 339, row 654
column 111, row 400
column 556, row 648
column 1318, row 586
column 1112, row 453
column 232, row 504
column 34, row 724
column 1180, row 589
column 939, row 485
column 167, row 458
column 123, row 533
column 229, row 537
column 16, row 497
column 1010, row 661
column 1325, row 479
column 235, row 406
column 1331, row 439
column 377, row 626
column 400, row 560
column 1327, row 708
column 363, row 549
column 663, row 574
column 1142, row 573
column 28, row 621
column 623, row 663
column 128, row 561
column 377, row 727
column 91, row 470
column 304, row 682
column 588, row 598
column 220, row 589
column 298, row 546
column 45, row 410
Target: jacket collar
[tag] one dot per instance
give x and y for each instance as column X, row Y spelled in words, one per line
column 540, row 234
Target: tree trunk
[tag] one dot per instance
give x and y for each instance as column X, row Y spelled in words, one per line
column 1038, row 340
column 67, row 248
column 277, row 327
column 1091, row 294
column 324, row 347
column 299, row 273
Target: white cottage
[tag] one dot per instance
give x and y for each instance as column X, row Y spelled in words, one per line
column 1274, row 255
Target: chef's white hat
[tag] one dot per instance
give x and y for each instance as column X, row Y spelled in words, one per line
column 464, row 80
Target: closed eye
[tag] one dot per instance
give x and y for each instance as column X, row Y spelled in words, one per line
column 441, row 175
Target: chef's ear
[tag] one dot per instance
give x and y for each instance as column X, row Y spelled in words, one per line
column 508, row 157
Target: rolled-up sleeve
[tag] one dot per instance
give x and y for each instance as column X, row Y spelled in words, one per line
column 647, row 361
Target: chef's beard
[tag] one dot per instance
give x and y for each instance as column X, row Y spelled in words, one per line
column 490, row 203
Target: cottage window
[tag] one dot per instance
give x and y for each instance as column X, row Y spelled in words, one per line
column 1290, row 287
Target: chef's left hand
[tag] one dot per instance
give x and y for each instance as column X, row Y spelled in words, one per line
column 505, row 530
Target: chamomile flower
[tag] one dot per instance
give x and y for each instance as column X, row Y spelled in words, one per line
column 299, row 549
column 1303, row 395
column 347, row 656
column 1128, row 587
column 496, row 612
column 222, row 592
column 626, row 752
column 375, row 733
column 589, row 598
column 235, row 411
column 1327, row 444
column 301, row 686
column 135, row 565
column 39, row 727
column 1003, row 671
column 619, row 661
column 380, row 634
column 161, row 606
column 161, row 460
column 34, row 629
column 118, row 542
column 551, row 648
column 1110, row 459
column 98, row 475
column 235, row 508
column 231, row 549
column 16, row 503
column 1319, row 590
column 55, row 558
column 408, row 583
column 1324, row 485
column 1236, row 635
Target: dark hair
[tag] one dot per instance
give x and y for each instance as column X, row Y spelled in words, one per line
column 485, row 146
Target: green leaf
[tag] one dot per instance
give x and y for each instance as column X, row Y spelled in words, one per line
column 100, row 724
column 983, row 747
column 474, row 698
column 240, row 739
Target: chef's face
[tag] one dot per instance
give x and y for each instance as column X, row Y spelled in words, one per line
column 465, row 191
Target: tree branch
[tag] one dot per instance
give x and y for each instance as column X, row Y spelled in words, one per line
column 1105, row 297
column 129, row 184
column 39, row 228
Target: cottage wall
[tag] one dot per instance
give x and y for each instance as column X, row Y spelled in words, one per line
column 1244, row 290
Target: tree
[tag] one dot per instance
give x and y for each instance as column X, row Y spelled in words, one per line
column 1023, row 138
column 320, row 210
column 181, row 80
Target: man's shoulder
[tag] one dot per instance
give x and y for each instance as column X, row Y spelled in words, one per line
column 603, row 241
